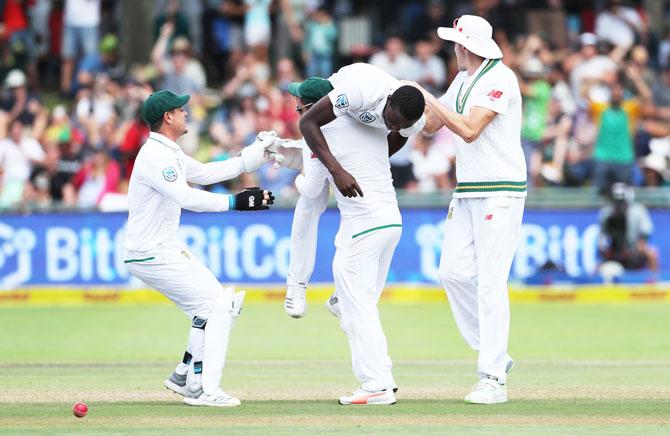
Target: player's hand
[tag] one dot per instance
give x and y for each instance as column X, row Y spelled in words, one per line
column 254, row 199
column 257, row 153
column 346, row 183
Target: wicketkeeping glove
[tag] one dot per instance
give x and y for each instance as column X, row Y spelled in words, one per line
column 252, row 199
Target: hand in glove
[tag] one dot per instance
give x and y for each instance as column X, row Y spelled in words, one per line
column 253, row 199
column 255, row 154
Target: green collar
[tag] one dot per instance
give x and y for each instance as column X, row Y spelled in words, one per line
column 460, row 105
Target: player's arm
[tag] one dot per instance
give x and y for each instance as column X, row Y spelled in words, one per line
column 212, row 172
column 468, row 127
column 250, row 159
column 161, row 174
column 310, row 126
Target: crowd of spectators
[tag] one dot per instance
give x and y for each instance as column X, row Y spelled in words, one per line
column 595, row 77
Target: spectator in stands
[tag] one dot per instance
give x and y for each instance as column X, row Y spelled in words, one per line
column 613, row 153
column 431, row 72
column 664, row 50
column 94, row 111
column 257, row 27
column 223, row 35
column 625, row 229
column 16, row 30
column 18, row 154
column 81, row 19
column 17, row 102
column 107, row 61
column 319, row 45
column 431, row 163
column 288, row 34
column 395, row 60
column 98, row 176
column 174, row 15
column 619, row 25
column 587, row 64
column 536, row 92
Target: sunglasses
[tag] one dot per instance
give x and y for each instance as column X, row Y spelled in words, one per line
column 303, row 108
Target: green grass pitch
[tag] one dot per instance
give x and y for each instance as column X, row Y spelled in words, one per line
column 587, row 369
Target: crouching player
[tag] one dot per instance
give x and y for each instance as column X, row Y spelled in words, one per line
column 157, row 192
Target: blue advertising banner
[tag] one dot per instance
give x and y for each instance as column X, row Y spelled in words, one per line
column 86, row 249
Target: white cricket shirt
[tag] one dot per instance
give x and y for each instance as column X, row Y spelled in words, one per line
column 360, row 92
column 493, row 164
column 158, row 191
column 363, row 152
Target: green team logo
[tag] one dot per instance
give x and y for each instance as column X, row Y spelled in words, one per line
column 170, row 174
column 367, row 117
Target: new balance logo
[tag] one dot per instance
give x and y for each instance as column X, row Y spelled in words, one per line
column 494, row 94
column 488, row 217
column 314, row 156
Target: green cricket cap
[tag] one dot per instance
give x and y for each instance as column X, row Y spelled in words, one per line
column 160, row 102
column 311, row 90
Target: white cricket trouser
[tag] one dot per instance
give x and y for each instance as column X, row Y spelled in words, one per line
column 480, row 238
column 179, row 275
column 304, row 232
column 360, row 267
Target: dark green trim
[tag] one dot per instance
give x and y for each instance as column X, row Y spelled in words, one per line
column 146, row 259
column 502, row 182
column 375, row 228
column 461, row 106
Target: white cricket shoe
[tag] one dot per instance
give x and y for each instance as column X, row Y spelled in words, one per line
column 487, row 391
column 217, row 399
column 362, row 397
column 177, row 384
column 333, row 306
column 295, row 302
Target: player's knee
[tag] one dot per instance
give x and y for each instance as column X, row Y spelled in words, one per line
column 450, row 273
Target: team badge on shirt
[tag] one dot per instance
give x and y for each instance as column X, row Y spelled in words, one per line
column 341, row 101
column 367, row 117
column 170, row 174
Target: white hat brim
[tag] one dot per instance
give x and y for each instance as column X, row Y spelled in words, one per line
column 487, row 49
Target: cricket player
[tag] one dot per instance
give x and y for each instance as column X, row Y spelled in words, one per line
column 483, row 108
column 157, row 192
column 352, row 131
column 365, row 95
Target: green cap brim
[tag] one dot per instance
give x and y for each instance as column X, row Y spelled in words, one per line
column 182, row 100
column 294, row 88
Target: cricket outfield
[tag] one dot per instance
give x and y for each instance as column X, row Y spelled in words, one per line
column 581, row 368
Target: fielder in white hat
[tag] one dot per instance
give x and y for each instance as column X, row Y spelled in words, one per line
column 483, row 108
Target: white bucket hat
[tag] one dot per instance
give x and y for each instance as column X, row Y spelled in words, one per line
column 473, row 33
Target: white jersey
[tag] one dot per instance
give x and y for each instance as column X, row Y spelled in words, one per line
column 360, row 93
column 493, row 164
column 363, row 152
column 158, row 191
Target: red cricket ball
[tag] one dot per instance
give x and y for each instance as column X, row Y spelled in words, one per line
column 80, row 410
